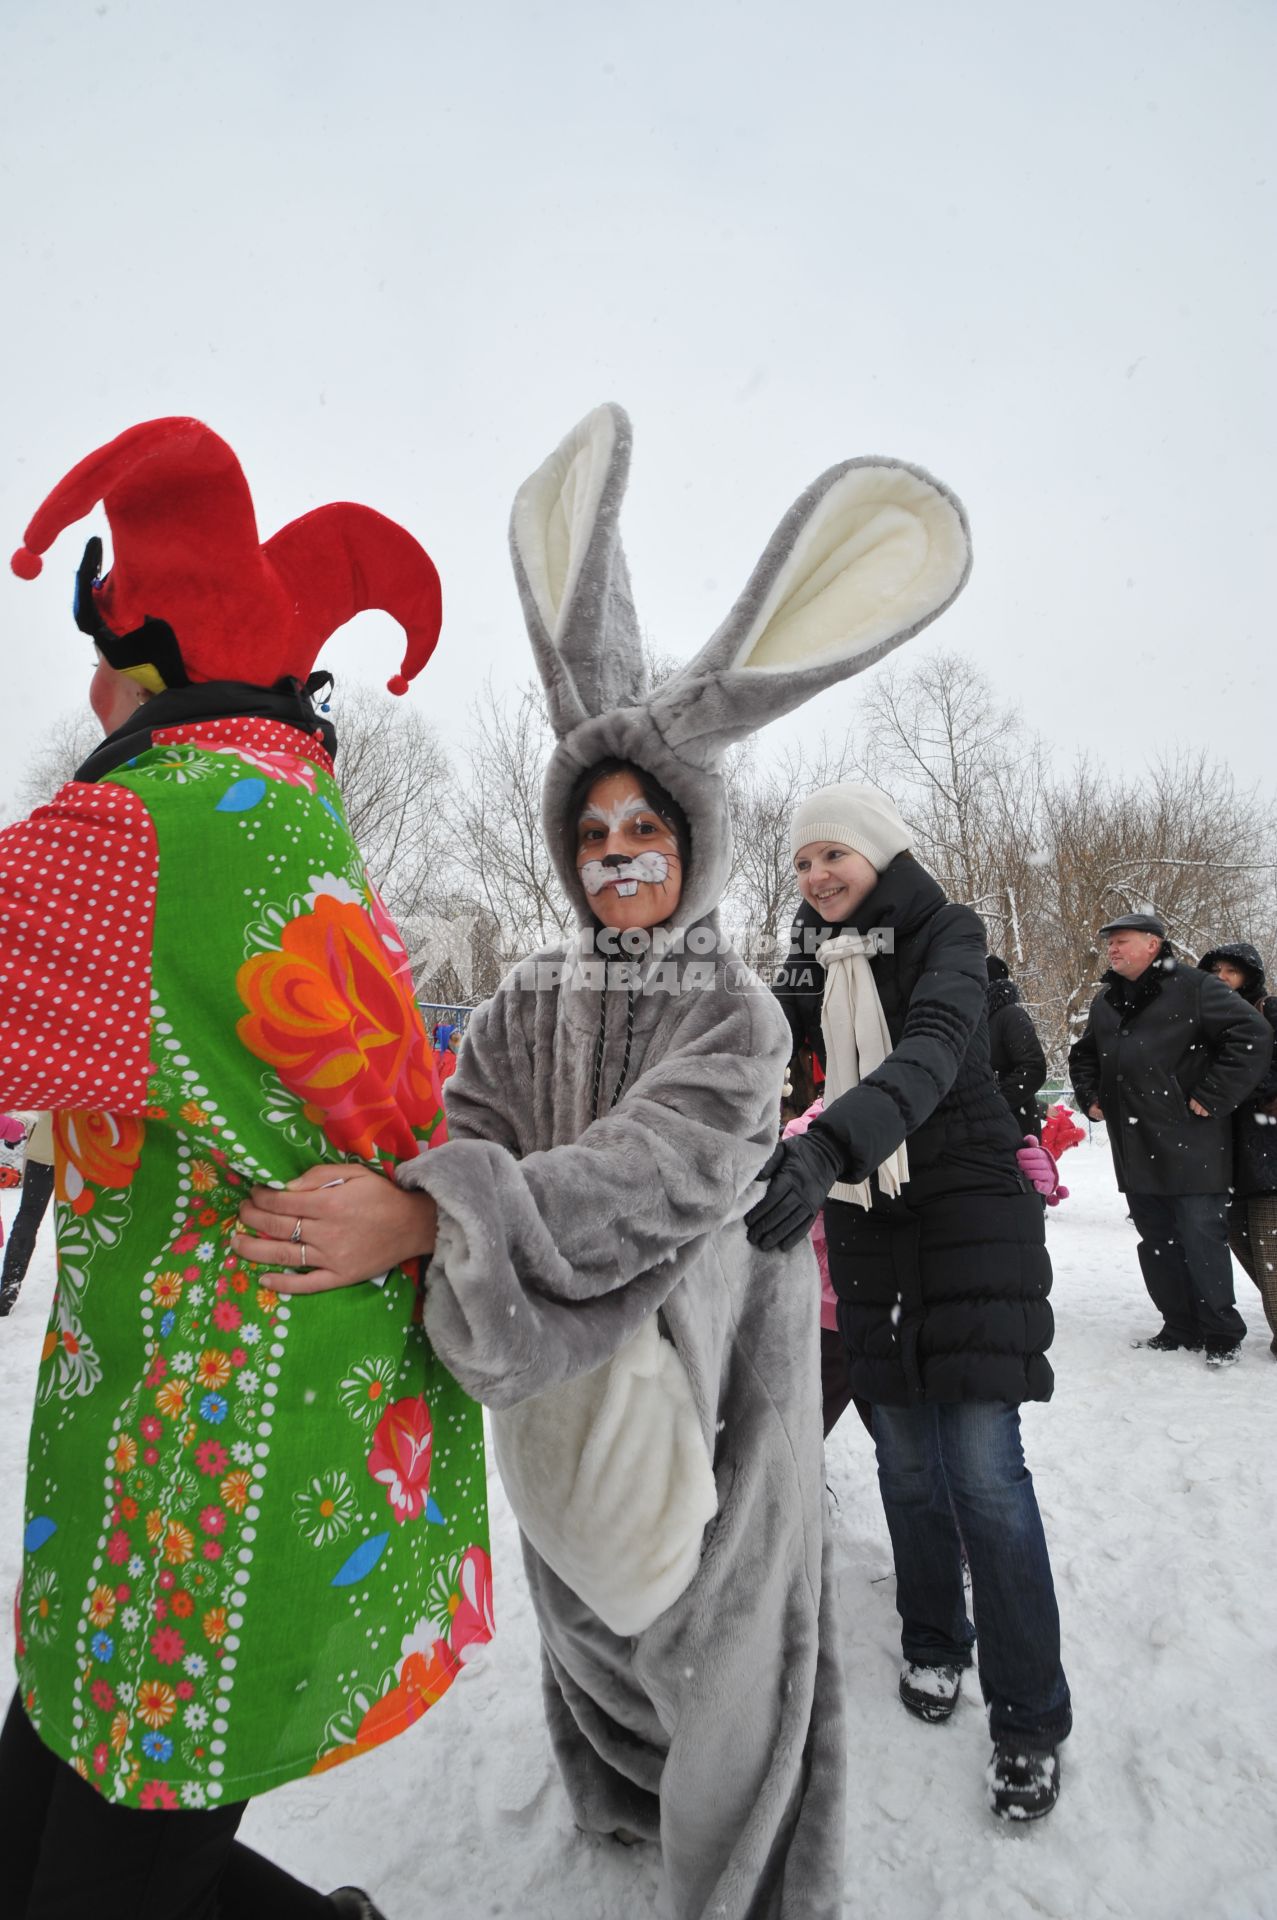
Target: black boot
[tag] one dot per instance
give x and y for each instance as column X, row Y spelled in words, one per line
column 352, row 1903
column 930, row 1692
column 1168, row 1342
column 1023, row 1785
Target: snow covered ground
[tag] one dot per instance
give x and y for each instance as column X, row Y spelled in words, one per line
column 1155, row 1478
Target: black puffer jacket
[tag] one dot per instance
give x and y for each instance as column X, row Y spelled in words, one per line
column 1015, row 1053
column 943, row 1291
column 1153, row 1044
column 1255, row 1121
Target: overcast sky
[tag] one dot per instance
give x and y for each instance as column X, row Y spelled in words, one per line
column 392, row 251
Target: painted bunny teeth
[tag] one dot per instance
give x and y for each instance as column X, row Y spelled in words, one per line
column 625, row 888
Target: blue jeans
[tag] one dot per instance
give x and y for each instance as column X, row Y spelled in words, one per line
column 953, row 1477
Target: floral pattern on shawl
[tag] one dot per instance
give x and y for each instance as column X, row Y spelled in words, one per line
column 94, row 1150
column 339, row 1027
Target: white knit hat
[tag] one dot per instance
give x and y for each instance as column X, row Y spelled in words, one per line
column 855, row 816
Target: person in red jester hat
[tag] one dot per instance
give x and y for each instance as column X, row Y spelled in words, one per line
column 255, row 1537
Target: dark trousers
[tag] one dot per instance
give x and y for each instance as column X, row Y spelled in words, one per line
column 1252, row 1235
column 71, row 1855
column 1186, row 1265
column 37, row 1187
column 953, row 1477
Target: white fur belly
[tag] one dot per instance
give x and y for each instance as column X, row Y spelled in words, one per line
column 609, row 1478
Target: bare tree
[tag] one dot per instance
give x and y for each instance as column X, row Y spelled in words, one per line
column 499, row 853
column 456, row 950
column 65, row 747
column 1045, row 857
column 971, row 782
column 761, row 892
column 395, row 780
column 966, row 776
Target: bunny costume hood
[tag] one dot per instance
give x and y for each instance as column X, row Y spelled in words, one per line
column 654, row 1379
column 869, row 554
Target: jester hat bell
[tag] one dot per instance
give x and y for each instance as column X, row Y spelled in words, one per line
column 193, row 595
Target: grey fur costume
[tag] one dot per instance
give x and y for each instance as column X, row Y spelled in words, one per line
column 564, row 1232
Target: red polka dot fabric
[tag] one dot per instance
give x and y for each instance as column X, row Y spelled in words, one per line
column 268, row 737
column 77, row 910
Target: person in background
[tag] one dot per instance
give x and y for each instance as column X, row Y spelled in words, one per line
column 1015, row 1052
column 37, row 1191
column 1168, row 1055
column 1252, row 1210
column 937, row 1254
column 446, row 1061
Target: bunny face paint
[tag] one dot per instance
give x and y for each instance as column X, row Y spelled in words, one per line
column 627, row 855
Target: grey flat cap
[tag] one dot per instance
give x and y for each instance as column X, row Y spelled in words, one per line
column 1136, row 923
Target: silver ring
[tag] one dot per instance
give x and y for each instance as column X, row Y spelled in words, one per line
column 296, row 1233
column 305, row 1262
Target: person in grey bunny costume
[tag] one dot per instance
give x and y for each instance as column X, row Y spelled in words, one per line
column 654, row 1379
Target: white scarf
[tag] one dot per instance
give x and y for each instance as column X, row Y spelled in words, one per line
column 857, row 1039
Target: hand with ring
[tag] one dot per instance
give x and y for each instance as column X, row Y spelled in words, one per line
column 349, row 1224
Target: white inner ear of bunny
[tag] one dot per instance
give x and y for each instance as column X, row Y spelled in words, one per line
column 883, row 549
column 555, row 512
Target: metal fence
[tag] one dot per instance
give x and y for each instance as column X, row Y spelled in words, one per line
column 433, row 1011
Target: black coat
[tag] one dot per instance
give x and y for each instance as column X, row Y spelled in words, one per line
column 1015, row 1053
column 943, row 1291
column 1255, row 1121
column 1149, row 1047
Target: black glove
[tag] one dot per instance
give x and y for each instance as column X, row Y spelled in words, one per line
column 798, row 1188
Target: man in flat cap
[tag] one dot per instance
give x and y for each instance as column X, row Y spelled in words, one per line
column 1167, row 1055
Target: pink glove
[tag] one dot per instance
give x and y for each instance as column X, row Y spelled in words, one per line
column 1037, row 1166
column 828, row 1298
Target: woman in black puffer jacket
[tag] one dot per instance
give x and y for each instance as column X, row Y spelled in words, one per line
column 937, row 1253
column 1252, row 1210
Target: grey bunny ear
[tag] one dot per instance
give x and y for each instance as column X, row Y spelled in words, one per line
column 871, row 553
column 571, row 572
